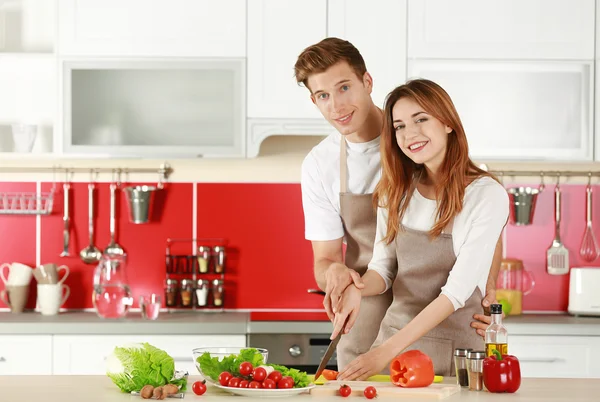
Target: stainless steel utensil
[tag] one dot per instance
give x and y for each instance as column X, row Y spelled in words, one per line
column 557, row 255
column 113, row 247
column 589, row 246
column 66, row 223
column 91, row 253
column 327, row 356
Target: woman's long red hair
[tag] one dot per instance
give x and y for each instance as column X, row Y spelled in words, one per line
column 399, row 175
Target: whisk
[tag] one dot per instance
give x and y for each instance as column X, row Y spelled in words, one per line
column 589, row 246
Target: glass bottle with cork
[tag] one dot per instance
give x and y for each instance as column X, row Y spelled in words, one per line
column 496, row 336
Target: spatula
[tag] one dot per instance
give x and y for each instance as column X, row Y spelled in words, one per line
column 557, row 255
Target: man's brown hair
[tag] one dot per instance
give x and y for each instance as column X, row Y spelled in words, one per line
column 319, row 57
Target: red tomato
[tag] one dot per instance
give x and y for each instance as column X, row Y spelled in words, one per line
column 254, row 384
column 246, row 368
column 259, row 374
column 224, row 378
column 234, row 382
column 330, row 374
column 370, row 392
column 275, row 376
column 345, row 390
column 269, row 384
column 286, row 382
column 243, row 384
column 199, row 387
column 412, row 369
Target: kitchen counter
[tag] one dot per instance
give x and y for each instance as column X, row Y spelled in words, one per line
column 101, row 389
column 183, row 323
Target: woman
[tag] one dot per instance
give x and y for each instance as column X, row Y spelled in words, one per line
column 447, row 216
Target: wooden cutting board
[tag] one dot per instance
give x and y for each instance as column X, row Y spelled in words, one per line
column 434, row 391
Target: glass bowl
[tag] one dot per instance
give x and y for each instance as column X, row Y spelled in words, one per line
column 221, row 352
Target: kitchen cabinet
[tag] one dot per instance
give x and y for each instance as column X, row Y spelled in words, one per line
column 27, row 26
column 501, row 29
column 86, row 354
column 546, row 356
column 200, row 28
column 25, row 355
column 519, row 110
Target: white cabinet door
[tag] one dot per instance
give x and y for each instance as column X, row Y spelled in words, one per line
column 519, row 110
column 25, row 354
column 501, row 29
column 555, row 356
column 278, row 31
column 205, row 28
column 86, row 354
column 379, row 35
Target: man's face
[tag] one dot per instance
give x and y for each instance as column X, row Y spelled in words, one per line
column 343, row 98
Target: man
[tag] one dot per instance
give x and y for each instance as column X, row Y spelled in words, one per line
column 339, row 176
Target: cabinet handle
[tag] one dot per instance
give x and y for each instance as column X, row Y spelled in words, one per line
column 541, row 359
column 2, row 359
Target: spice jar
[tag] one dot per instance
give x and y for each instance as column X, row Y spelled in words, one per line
column 475, row 369
column 201, row 292
column 203, row 258
column 187, row 292
column 219, row 259
column 171, row 292
column 460, row 363
column 217, row 291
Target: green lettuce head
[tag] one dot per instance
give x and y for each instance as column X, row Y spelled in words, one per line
column 132, row 366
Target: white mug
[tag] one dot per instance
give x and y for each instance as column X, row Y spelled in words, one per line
column 18, row 274
column 51, row 297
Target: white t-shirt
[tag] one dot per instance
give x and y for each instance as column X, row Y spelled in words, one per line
column 320, row 183
column 475, row 232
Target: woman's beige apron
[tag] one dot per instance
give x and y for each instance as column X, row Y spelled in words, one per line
column 360, row 221
column 423, row 269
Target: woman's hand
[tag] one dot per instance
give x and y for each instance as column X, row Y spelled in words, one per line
column 347, row 310
column 366, row 365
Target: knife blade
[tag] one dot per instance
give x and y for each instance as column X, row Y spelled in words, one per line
column 328, row 354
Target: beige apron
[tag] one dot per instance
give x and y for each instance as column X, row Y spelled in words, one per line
column 423, row 269
column 360, row 221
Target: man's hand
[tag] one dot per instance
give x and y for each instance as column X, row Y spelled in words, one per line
column 338, row 277
column 347, row 313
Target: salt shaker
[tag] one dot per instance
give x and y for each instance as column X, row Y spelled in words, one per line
column 201, row 292
column 219, row 259
column 475, row 369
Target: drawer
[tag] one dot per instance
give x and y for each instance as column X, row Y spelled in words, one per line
column 25, row 355
column 87, row 354
column 553, row 356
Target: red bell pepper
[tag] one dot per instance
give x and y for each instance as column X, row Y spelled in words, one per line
column 412, row 369
column 501, row 373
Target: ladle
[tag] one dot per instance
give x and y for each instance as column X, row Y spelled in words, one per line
column 113, row 247
column 91, row 253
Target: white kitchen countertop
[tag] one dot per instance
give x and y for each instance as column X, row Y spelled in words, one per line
column 101, row 389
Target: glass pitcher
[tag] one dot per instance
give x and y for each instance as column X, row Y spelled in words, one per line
column 513, row 283
column 112, row 295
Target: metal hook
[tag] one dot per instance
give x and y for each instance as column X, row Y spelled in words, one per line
column 558, row 181
column 94, row 175
column 542, row 185
column 116, row 173
column 589, row 179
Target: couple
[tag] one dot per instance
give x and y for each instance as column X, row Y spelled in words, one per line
column 413, row 278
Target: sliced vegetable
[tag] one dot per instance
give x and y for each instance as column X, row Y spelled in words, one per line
column 412, row 369
column 330, row 375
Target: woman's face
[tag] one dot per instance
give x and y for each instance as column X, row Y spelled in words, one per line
column 421, row 137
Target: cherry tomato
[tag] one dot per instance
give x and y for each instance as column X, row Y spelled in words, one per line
column 254, row 384
column 234, row 382
column 275, row 376
column 259, row 374
column 199, row 387
column 243, row 384
column 370, row 392
column 286, row 382
column 269, row 384
column 224, row 378
column 345, row 390
column 330, row 374
column 246, row 368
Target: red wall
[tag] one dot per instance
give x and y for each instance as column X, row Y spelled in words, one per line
column 269, row 263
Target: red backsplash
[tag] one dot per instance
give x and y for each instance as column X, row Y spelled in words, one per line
column 269, row 264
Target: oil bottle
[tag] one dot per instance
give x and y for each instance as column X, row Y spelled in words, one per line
column 496, row 336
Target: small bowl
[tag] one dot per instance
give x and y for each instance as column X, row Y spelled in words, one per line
column 221, row 352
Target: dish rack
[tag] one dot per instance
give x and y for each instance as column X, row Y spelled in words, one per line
column 26, row 203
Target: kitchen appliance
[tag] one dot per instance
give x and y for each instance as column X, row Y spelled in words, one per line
column 513, row 283
column 584, row 291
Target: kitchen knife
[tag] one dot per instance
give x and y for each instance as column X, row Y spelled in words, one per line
column 328, row 355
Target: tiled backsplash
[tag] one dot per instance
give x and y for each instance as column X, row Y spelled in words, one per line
column 269, row 264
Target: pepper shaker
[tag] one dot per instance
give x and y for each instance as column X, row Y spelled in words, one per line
column 475, row 369
column 219, row 259
column 217, row 291
column 460, row 364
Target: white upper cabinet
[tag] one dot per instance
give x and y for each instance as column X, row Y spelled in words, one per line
column 203, row 28
column 278, row 31
column 379, row 35
column 501, row 29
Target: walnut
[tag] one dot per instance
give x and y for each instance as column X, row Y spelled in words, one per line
column 159, row 393
column 170, row 389
column 147, row 391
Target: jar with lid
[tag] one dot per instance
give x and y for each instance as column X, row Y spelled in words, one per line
column 219, row 252
column 203, row 258
column 201, row 292
column 513, row 283
column 171, row 292
column 187, row 292
column 460, row 364
column 217, row 292
column 475, row 369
